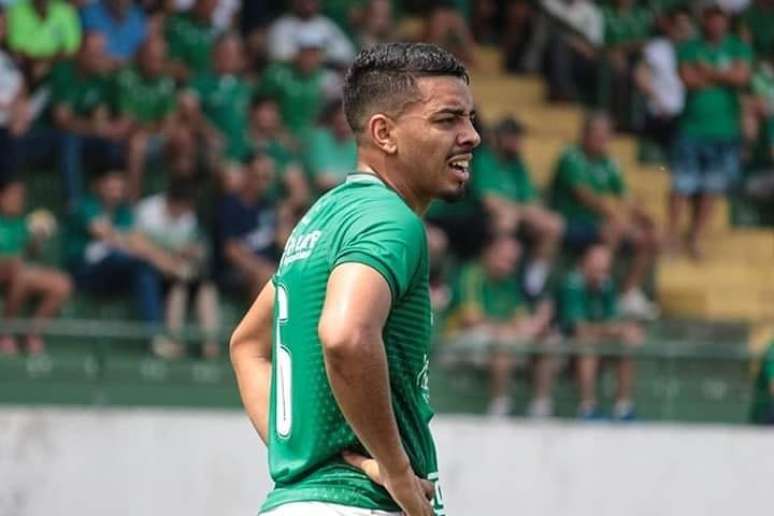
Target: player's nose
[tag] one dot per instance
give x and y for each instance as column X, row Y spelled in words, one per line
column 469, row 137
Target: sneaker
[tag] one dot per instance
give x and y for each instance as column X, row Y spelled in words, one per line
column 635, row 305
column 624, row 411
column 500, row 406
column 590, row 413
column 540, row 408
column 165, row 348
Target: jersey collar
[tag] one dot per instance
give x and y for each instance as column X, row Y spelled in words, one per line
column 364, row 177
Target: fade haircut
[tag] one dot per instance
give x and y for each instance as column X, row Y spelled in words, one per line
column 383, row 78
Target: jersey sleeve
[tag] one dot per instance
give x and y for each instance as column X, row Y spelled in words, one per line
column 390, row 245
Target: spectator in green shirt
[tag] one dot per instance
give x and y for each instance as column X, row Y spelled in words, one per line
column 627, row 26
column 488, row 310
column 331, row 151
column 223, row 96
column 106, row 254
column 19, row 237
column 762, row 412
column 82, row 99
column 502, row 181
column 147, row 100
column 588, row 313
column 588, row 189
column 191, row 39
column 302, row 86
column 715, row 68
column 758, row 25
column 270, row 137
column 42, row 32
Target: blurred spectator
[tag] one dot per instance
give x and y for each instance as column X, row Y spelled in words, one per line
column 222, row 14
column 147, row 100
column 446, row 27
column 758, row 26
column 377, row 24
column 762, row 412
column 82, row 96
column 302, row 86
column 517, row 33
column 191, row 37
column 658, row 79
column 714, row 69
column 121, row 22
column 489, row 311
column 106, row 255
column 502, row 180
column 20, row 236
column 41, row 32
column 269, row 136
column 760, row 183
column 588, row 189
column 283, row 42
column 12, row 107
column 331, row 152
column 246, row 232
column 627, row 26
column 169, row 221
column 482, row 23
column 587, row 309
column 572, row 39
column 223, row 96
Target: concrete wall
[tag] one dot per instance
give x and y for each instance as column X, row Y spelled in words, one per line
column 63, row 462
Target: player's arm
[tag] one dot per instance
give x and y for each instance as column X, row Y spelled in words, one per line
column 250, row 349
column 357, row 304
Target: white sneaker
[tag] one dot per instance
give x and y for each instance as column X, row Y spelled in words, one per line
column 500, row 406
column 540, row 408
column 635, row 305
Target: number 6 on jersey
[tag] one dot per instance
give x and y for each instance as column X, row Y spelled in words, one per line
column 284, row 413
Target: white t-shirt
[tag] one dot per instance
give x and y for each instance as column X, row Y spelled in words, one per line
column 284, row 34
column 582, row 15
column 11, row 82
column 660, row 56
column 223, row 15
column 153, row 220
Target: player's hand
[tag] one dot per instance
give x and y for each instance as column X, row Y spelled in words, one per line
column 412, row 493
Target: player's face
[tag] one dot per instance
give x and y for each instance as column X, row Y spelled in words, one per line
column 596, row 266
column 12, row 200
column 435, row 138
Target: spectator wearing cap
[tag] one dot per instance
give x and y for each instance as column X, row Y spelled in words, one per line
column 715, row 68
column 588, row 189
column 169, row 221
column 657, row 77
column 121, row 22
column 42, row 32
column 302, row 86
column 503, row 183
column 284, row 45
column 588, row 313
column 191, row 36
column 21, row 237
column 331, row 152
column 223, row 97
column 82, row 96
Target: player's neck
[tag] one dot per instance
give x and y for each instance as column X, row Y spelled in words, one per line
column 416, row 202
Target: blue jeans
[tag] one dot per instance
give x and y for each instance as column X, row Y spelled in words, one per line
column 120, row 271
column 704, row 166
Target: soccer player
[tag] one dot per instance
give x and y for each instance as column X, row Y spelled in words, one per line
column 332, row 358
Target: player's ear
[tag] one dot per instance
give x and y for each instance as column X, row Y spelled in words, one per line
column 381, row 131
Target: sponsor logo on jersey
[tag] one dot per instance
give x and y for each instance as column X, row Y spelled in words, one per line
column 300, row 247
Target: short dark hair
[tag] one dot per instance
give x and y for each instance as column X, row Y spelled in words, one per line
column 384, row 77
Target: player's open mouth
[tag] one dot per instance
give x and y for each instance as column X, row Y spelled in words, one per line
column 461, row 167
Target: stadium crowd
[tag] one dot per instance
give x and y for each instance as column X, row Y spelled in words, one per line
column 190, row 135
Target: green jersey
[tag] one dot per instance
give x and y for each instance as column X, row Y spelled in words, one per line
column 146, row 99
column 362, row 221
column 713, row 111
column 13, row 236
column 579, row 303
column 496, row 299
column 504, row 178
